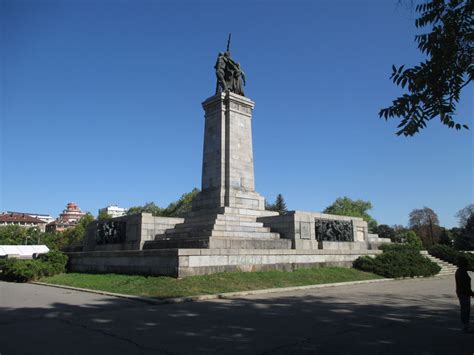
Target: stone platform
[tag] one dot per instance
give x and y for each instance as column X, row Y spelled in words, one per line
column 228, row 228
column 189, row 262
column 222, row 228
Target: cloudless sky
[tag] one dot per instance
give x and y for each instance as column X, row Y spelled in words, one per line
column 101, row 104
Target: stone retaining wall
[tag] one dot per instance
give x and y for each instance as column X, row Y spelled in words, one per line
column 188, row 262
column 299, row 227
column 140, row 227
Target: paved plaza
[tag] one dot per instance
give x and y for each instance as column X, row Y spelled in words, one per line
column 396, row 317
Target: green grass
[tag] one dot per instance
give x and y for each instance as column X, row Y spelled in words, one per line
column 163, row 287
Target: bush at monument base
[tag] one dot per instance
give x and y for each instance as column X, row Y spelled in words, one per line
column 399, row 263
column 451, row 255
column 20, row 270
column 364, row 263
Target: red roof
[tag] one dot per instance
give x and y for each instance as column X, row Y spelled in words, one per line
column 16, row 217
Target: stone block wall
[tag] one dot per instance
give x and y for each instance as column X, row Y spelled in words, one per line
column 375, row 241
column 300, row 227
column 189, row 262
column 140, row 227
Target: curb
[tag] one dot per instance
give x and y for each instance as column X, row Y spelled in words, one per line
column 225, row 295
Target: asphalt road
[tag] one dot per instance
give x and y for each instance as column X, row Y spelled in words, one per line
column 397, row 317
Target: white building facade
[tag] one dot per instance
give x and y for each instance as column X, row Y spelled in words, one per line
column 113, row 211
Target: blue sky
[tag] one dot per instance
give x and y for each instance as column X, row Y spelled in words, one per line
column 101, row 103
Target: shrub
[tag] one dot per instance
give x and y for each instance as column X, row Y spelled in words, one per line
column 20, row 270
column 404, row 264
column 451, row 255
column 364, row 263
column 56, row 260
column 399, row 261
column 411, row 238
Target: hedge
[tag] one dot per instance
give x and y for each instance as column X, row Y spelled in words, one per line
column 451, row 255
column 398, row 262
column 21, row 270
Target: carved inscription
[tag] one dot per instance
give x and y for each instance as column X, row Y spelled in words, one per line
column 305, row 230
column 334, row 231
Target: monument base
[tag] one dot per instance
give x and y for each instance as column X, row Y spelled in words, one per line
column 221, row 228
column 189, row 262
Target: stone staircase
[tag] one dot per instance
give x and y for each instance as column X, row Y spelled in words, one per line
column 446, row 268
column 228, row 228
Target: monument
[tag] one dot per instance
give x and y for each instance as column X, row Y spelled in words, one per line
column 228, row 228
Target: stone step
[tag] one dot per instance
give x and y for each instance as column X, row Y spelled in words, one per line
column 238, row 223
column 236, row 218
column 440, row 261
column 446, row 268
column 199, row 220
column 184, row 226
column 219, row 243
column 176, row 244
column 184, row 235
column 248, row 212
column 169, row 237
column 251, row 235
column 242, row 243
column 221, row 222
column 191, row 232
column 241, row 229
column 248, row 225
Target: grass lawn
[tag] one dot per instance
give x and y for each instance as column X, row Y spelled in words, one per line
column 163, row 287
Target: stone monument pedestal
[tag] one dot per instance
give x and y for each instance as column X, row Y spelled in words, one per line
column 225, row 212
column 228, row 228
column 227, row 167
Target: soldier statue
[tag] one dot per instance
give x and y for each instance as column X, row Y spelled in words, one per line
column 230, row 77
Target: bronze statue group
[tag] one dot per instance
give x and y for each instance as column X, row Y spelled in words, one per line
column 230, row 77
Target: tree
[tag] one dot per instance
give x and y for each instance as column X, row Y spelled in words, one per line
column 411, row 239
column 76, row 234
column 181, row 207
column 279, row 205
column 177, row 208
column 149, row 207
column 12, row 235
column 464, row 214
column 422, row 217
column 103, row 215
column 425, row 223
column 399, row 233
column 466, row 239
column 434, row 86
column 446, row 238
column 344, row 206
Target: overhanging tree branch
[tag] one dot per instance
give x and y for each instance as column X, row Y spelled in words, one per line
column 434, row 86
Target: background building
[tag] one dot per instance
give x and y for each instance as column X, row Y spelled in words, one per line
column 44, row 217
column 22, row 220
column 69, row 218
column 113, row 211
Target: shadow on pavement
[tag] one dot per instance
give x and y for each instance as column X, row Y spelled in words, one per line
column 308, row 324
